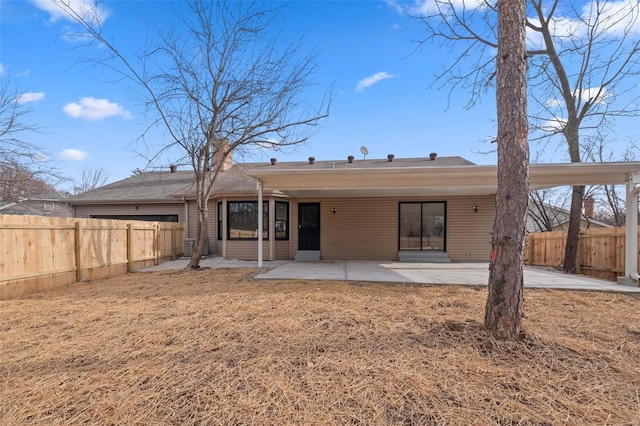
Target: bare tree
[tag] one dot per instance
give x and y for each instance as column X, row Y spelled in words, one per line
column 546, row 209
column 503, row 312
column 611, row 198
column 23, row 166
column 583, row 60
column 91, row 177
column 218, row 83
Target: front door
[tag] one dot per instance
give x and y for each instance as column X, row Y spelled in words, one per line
column 309, row 226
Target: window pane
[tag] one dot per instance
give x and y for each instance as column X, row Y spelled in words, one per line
column 410, row 231
column 219, row 213
column 433, row 226
column 282, row 220
column 243, row 219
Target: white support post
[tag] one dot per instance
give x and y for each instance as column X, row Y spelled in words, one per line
column 631, row 237
column 260, row 223
column 225, row 226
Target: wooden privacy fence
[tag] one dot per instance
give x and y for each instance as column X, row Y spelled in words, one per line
column 40, row 253
column 600, row 251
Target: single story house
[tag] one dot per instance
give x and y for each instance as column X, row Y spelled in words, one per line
column 429, row 209
column 49, row 204
column 544, row 216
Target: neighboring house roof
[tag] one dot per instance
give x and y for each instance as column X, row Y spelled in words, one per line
column 49, row 196
column 558, row 216
column 48, row 204
column 18, row 209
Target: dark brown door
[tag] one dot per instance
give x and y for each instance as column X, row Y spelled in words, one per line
column 309, row 226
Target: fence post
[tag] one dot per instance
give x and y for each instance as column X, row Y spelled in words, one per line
column 78, row 249
column 173, row 241
column 130, row 247
column 157, row 243
column 579, row 255
column 530, row 246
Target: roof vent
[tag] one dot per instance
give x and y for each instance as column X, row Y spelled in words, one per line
column 433, row 156
column 311, row 160
column 350, row 159
column 274, row 161
column 173, row 168
column 390, row 157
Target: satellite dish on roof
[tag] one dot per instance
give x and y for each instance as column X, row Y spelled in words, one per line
column 364, row 151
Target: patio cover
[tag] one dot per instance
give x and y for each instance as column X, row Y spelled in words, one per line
column 350, row 180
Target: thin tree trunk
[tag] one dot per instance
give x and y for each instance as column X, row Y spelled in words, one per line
column 503, row 311
column 202, row 232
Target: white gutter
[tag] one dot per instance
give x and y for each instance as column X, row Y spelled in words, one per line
column 186, row 217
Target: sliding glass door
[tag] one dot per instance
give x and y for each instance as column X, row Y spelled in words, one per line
column 422, row 226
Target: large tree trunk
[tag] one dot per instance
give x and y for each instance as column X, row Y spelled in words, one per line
column 572, row 135
column 573, row 234
column 503, row 311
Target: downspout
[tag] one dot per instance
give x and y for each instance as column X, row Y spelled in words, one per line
column 186, row 217
column 631, row 239
column 260, row 223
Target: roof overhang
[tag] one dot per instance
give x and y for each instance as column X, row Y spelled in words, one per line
column 433, row 181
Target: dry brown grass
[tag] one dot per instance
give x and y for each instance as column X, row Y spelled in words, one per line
column 217, row 347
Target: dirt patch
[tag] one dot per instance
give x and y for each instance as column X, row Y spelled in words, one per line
column 218, row 347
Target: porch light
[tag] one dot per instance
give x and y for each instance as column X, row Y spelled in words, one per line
column 334, row 210
column 475, row 209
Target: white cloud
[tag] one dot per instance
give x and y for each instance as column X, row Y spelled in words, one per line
column 594, row 94
column 27, row 97
column 94, row 109
column 555, row 125
column 72, row 154
column 614, row 18
column 430, row 7
column 89, row 10
column 373, row 79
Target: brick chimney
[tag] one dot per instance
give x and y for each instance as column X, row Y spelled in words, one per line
column 220, row 148
column 589, row 206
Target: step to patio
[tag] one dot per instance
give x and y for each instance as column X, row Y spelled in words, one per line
column 308, row 256
column 410, row 256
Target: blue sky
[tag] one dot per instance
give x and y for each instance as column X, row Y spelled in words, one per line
column 366, row 52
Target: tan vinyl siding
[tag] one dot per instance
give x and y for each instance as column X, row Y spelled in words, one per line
column 193, row 219
column 246, row 250
column 367, row 228
column 469, row 233
column 360, row 229
column 283, row 250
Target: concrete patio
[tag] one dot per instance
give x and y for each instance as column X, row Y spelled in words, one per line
column 473, row 274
